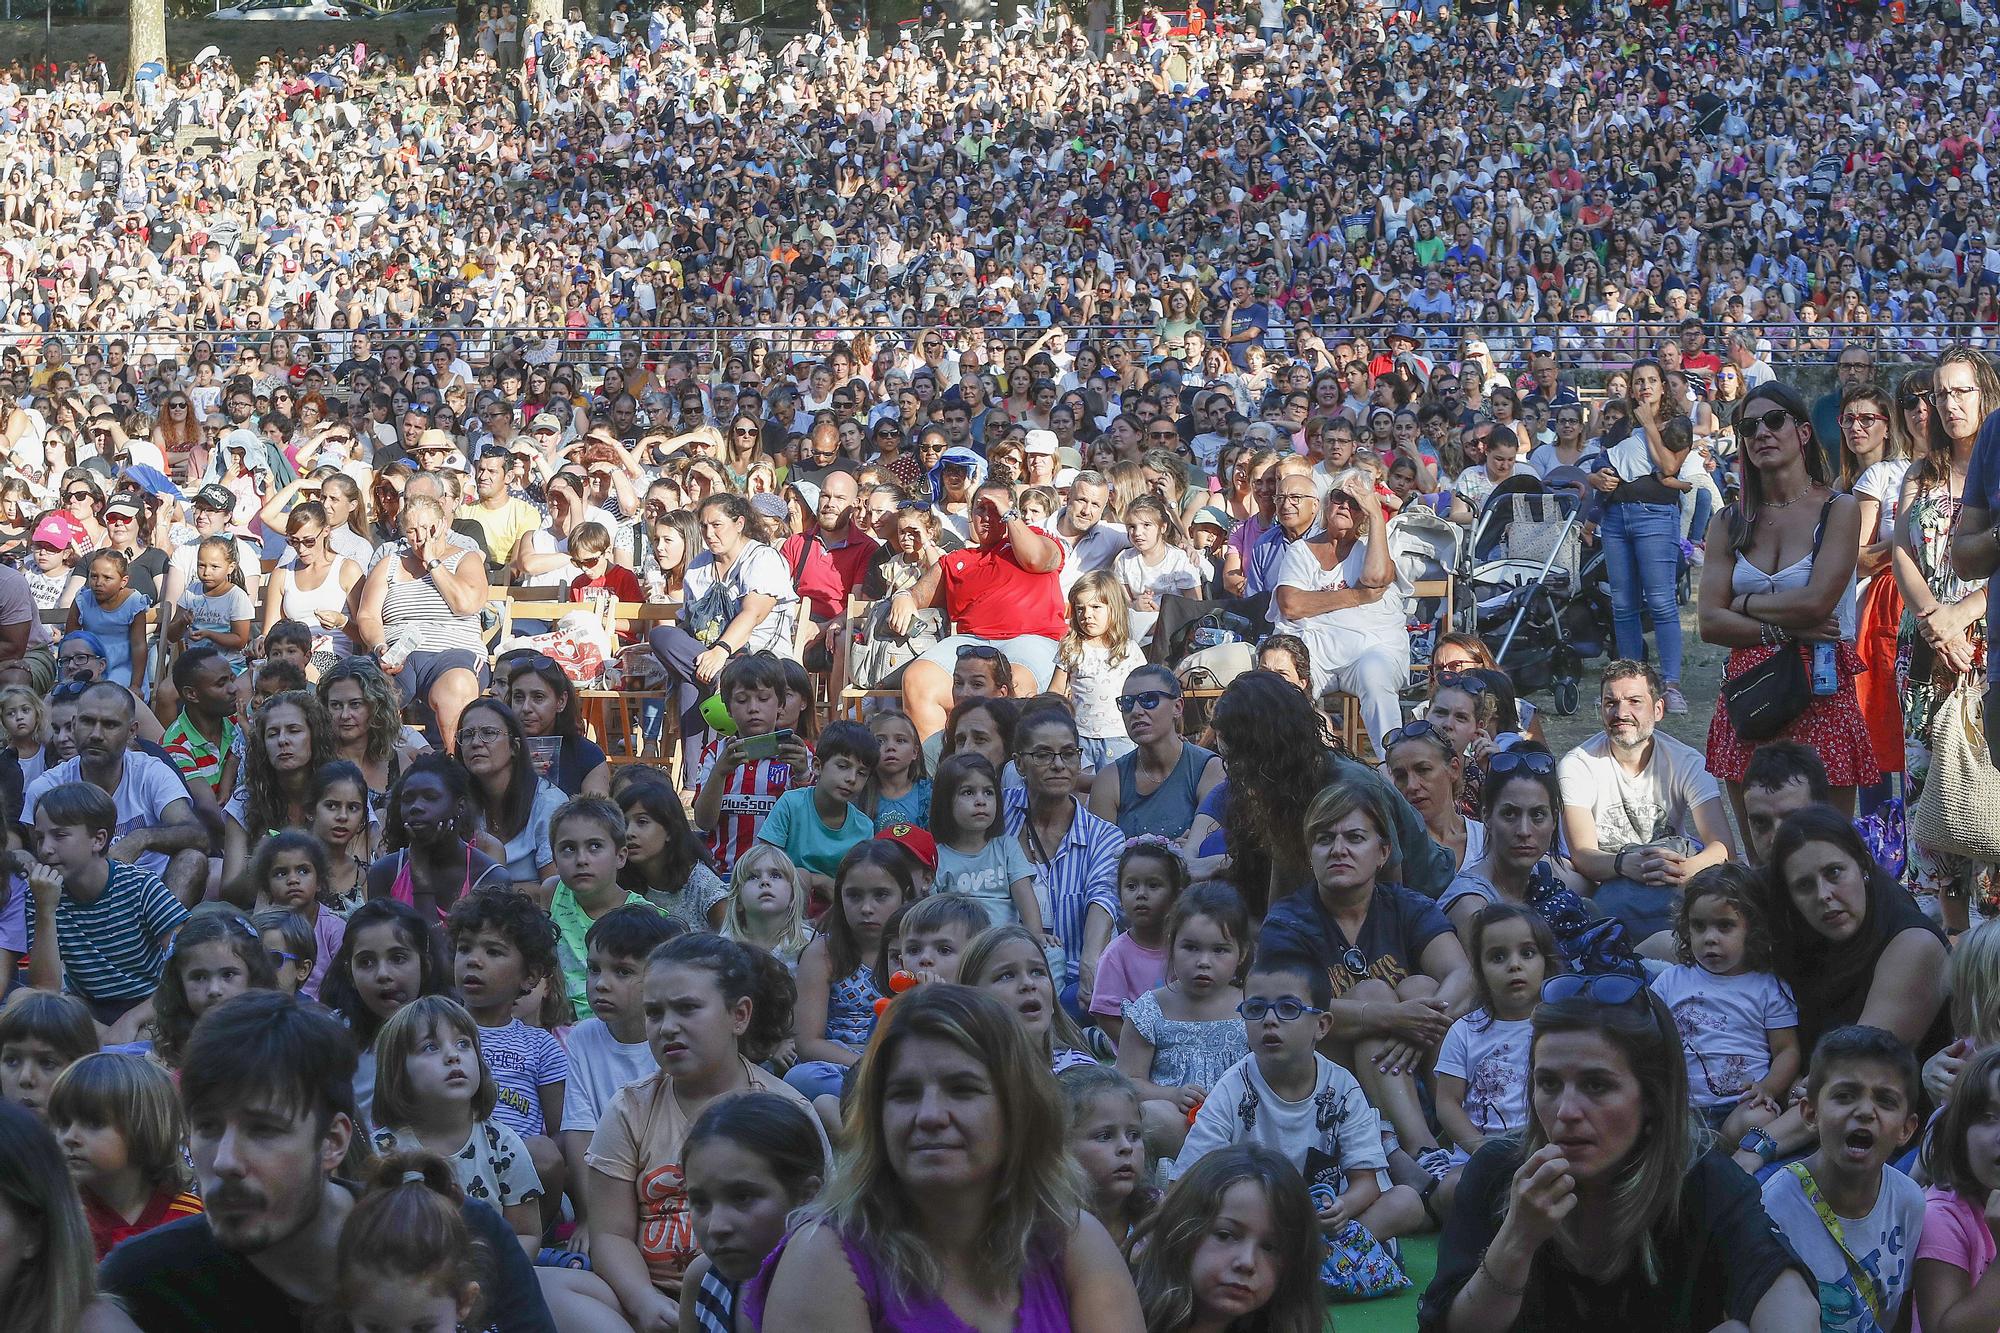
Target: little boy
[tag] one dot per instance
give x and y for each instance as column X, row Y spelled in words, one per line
column 290, row 641
column 587, row 837
column 1854, row 1222
column 737, row 792
column 502, row 947
column 41, row 1035
column 101, row 927
column 609, row 1051
column 1288, row 1097
column 590, row 551
column 935, row 933
column 816, row 826
column 293, row 945
column 919, row 849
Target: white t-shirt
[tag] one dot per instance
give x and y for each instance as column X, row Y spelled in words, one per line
column 1095, row 683
column 1338, row 638
column 1494, row 1065
column 1636, row 809
column 1241, row 1108
column 1883, row 482
column 142, row 798
column 219, row 613
column 1174, row 574
column 600, row 1065
column 759, row 569
column 1884, row 1243
column 1723, row 1022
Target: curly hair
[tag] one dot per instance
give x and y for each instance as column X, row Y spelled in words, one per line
column 1278, row 757
column 173, row 1017
column 385, row 706
column 513, row 916
column 741, row 971
column 457, row 783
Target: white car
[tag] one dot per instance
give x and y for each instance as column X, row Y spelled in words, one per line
column 287, row 10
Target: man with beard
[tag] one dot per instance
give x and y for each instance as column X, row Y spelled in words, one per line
column 268, row 1083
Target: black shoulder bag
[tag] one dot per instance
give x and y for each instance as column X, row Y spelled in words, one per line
column 1770, row 696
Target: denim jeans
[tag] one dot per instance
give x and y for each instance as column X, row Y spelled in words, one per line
column 1642, row 554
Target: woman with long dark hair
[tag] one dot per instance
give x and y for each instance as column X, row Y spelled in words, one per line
column 1779, row 578
column 513, row 802
column 544, row 698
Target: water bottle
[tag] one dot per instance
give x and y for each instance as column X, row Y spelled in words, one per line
column 1825, row 679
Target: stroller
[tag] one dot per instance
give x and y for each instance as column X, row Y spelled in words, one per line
column 1526, row 583
column 1425, row 545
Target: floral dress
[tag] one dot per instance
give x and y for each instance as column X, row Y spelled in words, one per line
column 1931, row 516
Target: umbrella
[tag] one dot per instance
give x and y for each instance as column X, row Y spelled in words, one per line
column 206, row 54
column 149, row 71
column 319, row 78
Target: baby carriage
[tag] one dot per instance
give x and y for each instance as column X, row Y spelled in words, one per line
column 1530, row 592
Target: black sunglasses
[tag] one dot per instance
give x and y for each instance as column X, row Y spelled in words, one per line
column 1464, row 680
column 984, row 651
column 1421, row 729
column 1775, row 419
column 1512, row 761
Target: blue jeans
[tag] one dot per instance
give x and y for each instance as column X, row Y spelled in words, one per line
column 1642, row 554
column 1644, row 908
column 816, row 1078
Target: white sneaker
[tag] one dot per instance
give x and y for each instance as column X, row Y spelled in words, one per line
column 1436, row 1163
column 1677, row 703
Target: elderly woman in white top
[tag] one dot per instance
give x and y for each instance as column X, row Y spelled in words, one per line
column 1341, row 591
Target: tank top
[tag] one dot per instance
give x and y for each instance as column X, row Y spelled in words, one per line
column 415, row 610
column 1169, row 810
column 404, row 888
column 850, row 1008
column 303, row 605
column 1044, row 1304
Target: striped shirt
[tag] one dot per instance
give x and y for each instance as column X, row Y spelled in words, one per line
column 193, row 754
column 715, row 1304
column 414, row 611
column 115, row 948
column 748, row 797
column 1081, row 873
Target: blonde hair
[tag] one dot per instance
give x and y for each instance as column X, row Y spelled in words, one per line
column 14, row 694
column 134, row 1096
column 395, row 1098
column 894, row 713
column 1038, row 1194
column 1104, row 585
column 736, row 922
column 1975, row 985
column 1063, row 1030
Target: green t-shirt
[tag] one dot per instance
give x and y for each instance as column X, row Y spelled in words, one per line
column 572, row 926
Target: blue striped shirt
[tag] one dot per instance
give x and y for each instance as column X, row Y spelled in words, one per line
column 116, row 947
column 1082, row 872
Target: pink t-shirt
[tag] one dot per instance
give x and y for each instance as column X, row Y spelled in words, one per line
column 1126, row 971
column 1955, row 1233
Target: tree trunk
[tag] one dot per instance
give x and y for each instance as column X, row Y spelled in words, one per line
column 539, row 11
column 148, row 34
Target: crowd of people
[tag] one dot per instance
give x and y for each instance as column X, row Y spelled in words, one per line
column 1059, row 866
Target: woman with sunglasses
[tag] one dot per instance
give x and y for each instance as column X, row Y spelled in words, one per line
column 314, row 588
column 1610, row 1210
column 1941, row 644
column 83, row 501
column 742, row 448
column 1780, row 579
column 177, row 433
column 1425, row 765
column 1521, row 811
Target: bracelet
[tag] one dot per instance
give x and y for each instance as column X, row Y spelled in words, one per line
column 1496, row 1283
column 1618, row 863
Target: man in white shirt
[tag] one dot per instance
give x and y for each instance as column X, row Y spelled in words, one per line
column 1641, row 812
column 1088, row 542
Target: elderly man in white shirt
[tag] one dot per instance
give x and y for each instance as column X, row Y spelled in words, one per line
column 1343, row 592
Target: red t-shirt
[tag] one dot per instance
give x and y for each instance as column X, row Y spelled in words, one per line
column 851, row 561
column 817, row 580
column 107, row 1228
column 989, row 596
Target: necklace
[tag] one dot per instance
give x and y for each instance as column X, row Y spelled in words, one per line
column 1787, row 504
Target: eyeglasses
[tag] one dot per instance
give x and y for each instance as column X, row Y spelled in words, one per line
column 482, row 736
column 1604, row 988
column 1514, row 761
column 1069, row 756
column 1297, row 497
column 1773, row 420
column 1289, row 1009
column 1956, row 392
column 1146, row 699
column 1862, row 420
column 77, row 659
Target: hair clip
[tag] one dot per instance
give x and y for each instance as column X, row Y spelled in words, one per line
column 413, row 1177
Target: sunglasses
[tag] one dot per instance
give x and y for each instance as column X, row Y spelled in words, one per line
column 1514, row 761
column 1773, row 420
column 1420, row 729
column 984, row 651
column 1464, row 681
column 1146, row 699
column 1610, row 988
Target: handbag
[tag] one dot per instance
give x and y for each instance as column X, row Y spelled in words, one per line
column 875, row 651
column 1770, row 696
column 1954, row 813
column 708, row 615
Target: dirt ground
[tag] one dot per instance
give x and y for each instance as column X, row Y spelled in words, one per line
column 1701, row 681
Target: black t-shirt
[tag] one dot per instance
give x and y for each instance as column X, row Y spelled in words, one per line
column 1715, row 1265
column 177, row 1278
column 1400, row 925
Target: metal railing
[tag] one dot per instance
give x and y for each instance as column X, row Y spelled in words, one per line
column 1589, row 348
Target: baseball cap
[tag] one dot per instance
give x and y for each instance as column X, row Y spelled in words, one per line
column 917, row 842
column 1214, row 518
column 1039, row 442
column 122, row 504
column 215, row 496
column 60, row 530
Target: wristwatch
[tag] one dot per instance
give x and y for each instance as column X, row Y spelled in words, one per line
column 431, row 566
column 1757, row 1141
column 1010, row 516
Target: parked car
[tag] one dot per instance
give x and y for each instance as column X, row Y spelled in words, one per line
column 288, row 10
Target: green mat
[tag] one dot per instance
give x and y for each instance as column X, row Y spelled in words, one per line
column 1399, row 1314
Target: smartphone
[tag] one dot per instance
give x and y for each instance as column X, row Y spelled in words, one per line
column 766, row 745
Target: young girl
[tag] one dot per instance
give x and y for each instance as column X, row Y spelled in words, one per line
column 664, row 860
column 1179, row 1039
column 434, row 1093
column 1955, row 1254
column 216, row 954
column 388, row 958
column 24, row 716
column 837, row 987
column 289, row 871
column 112, row 609
column 1108, row 1140
column 337, row 807
column 1156, row 565
column 747, row 1163
column 431, row 862
column 1152, row 875
column 714, row 1009
column 288, row 938
column 120, row 1125
column 1738, row 1023
column 406, row 1259
column 1467, row 714
column 1482, row 1065
column 902, row 791
column 1011, row 962
column 767, row 904
column 1235, row 1245
column 1092, row 662
column 214, row 607
column 975, row 855
column 41, row 1034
